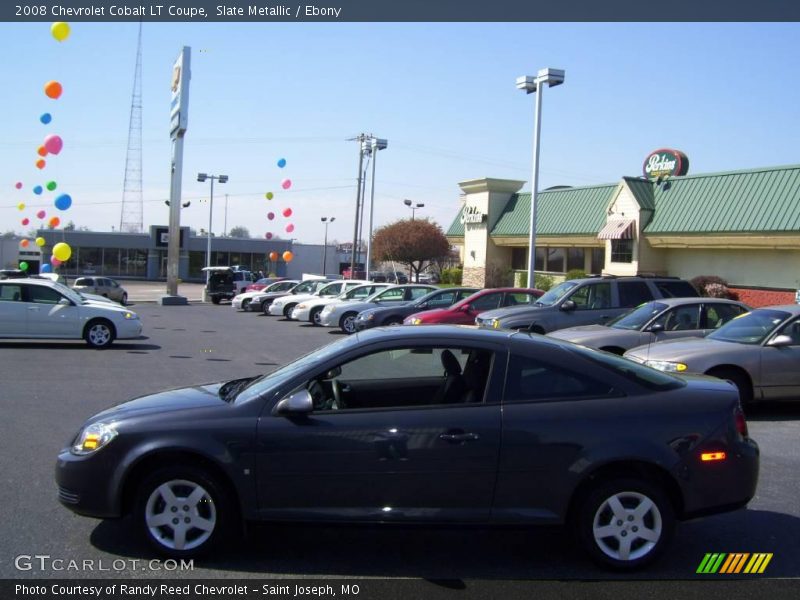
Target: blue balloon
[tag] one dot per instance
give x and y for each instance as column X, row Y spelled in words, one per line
column 46, row 118
column 37, row 190
column 63, row 202
column 46, row 268
column 282, row 162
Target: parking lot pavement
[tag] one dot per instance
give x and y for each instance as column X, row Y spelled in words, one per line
column 50, row 388
column 151, row 291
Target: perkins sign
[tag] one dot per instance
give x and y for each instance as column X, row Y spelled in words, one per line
column 665, row 163
column 472, row 214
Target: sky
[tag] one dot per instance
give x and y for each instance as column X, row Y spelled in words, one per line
column 443, row 95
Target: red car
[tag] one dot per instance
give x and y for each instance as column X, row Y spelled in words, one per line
column 464, row 312
column 262, row 283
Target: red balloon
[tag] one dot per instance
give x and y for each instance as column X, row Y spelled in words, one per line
column 40, row 163
column 289, row 228
column 268, row 235
column 41, row 214
column 287, row 212
column 25, row 221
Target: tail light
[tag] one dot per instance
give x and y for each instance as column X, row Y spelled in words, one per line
column 741, row 422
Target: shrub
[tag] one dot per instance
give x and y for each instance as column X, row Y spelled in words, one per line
column 702, row 281
column 575, row 274
column 542, row 282
column 452, row 276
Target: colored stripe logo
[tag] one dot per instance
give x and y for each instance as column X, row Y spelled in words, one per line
column 733, row 563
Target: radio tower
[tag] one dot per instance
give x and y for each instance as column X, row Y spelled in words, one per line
column 131, row 220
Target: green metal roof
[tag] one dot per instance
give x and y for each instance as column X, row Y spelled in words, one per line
column 642, row 190
column 456, row 228
column 756, row 200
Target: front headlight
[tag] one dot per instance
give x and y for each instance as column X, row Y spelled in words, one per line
column 302, row 306
column 92, row 438
column 130, row 316
column 369, row 317
column 664, row 365
column 416, row 321
column 495, row 324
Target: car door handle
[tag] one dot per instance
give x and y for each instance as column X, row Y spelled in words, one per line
column 460, row 436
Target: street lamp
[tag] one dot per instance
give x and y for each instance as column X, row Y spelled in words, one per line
column 530, row 84
column 327, row 221
column 201, row 177
column 413, row 207
column 375, row 145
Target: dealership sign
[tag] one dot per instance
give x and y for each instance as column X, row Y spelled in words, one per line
column 472, row 214
column 665, row 163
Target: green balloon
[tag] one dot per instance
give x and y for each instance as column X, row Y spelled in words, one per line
column 51, row 185
column 23, row 266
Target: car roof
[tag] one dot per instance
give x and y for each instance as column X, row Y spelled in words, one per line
column 794, row 309
column 696, row 300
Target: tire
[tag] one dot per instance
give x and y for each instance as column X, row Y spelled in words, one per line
column 265, row 307
column 348, row 322
column 287, row 310
column 613, row 534
column 246, row 305
column 215, row 299
column 740, row 380
column 391, row 321
column 124, row 300
column 183, row 511
column 99, row 333
column 314, row 317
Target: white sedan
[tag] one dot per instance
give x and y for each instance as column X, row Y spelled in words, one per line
column 284, row 306
column 311, row 309
column 243, row 301
column 343, row 314
column 37, row 308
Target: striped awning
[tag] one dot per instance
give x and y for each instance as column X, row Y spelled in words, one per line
column 619, row 229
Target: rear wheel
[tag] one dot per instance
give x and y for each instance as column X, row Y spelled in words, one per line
column 625, row 523
column 99, row 333
column 348, row 322
column 215, row 299
column 740, row 380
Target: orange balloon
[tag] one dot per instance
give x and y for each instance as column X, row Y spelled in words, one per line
column 53, row 89
column 25, row 243
column 41, row 151
column 288, row 256
column 54, row 222
column 273, row 256
column 40, row 163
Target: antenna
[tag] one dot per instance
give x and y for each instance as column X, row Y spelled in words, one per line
column 131, row 219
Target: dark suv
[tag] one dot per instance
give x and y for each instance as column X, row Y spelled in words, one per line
column 226, row 282
column 589, row 301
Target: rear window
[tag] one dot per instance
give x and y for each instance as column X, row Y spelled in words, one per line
column 633, row 293
column 646, row 377
column 84, row 281
column 676, row 289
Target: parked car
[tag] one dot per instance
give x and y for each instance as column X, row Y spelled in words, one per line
column 264, row 300
column 428, row 278
column 13, row 274
column 38, row 308
column 397, row 277
column 310, row 310
column 244, row 300
column 226, row 282
column 102, row 286
column 285, row 306
column 394, row 314
column 423, row 425
column 758, row 351
column 588, row 301
column 466, row 311
column 343, row 315
column 655, row 321
column 262, row 283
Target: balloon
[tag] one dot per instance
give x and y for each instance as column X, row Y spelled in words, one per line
column 63, row 202
column 273, row 256
column 53, row 89
column 281, row 162
column 40, row 241
column 289, row 228
column 54, row 222
column 25, row 243
column 41, row 151
column 46, row 269
column 287, row 212
column 62, row 251
column 60, row 30
column 18, row 185
column 270, row 195
column 270, row 215
column 23, row 266
column 51, row 185
column 40, row 163
column 53, row 144
column 55, row 262
column 288, row 256
column 21, row 206
column 37, row 190
column 41, row 214
column 286, row 184
column 268, row 235
column 46, row 118
column 25, row 221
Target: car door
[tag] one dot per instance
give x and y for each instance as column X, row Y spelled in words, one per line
column 594, row 304
column 13, row 310
column 50, row 314
column 780, row 365
column 487, row 301
column 393, row 449
column 679, row 322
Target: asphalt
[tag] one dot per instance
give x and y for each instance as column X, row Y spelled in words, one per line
column 151, row 291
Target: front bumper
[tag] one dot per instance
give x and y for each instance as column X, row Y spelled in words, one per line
column 86, row 484
column 129, row 329
column 276, row 310
column 362, row 324
column 300, row 314
column 328, row 319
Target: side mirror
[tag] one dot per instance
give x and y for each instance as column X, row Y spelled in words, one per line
column 656, row 328
column 568, row 305
column 466, row 308
column 65, row 302
column 780, row 340
column 299, row 403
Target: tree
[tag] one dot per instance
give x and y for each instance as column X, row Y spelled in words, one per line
column 410, row 242
column 239, row 232
column 69, row 226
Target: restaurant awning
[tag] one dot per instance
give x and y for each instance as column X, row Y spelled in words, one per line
column 619, row 229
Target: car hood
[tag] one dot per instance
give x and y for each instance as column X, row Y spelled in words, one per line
column 686, row 349
column 586, row 332
column 432, row 314
column 508, row 311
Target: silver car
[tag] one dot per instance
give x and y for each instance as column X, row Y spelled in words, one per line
column 656, row 321
column 758, row 351
column 102, row 286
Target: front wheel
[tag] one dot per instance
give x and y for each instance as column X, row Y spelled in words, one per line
column 287, row 310
column 99, row 333
column 315, row 317
column 124, row 299
column 183, row 511
column 625, row 523
column 740, row 380
column 246, row 305
column 392, row 321
column 348, row 322
column 215, row 299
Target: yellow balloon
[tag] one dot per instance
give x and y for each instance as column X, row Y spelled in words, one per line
column 60, row 30
column 62, row 251
column 21, row 206
column 40, row 241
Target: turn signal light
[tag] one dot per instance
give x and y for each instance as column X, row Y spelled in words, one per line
column 709, row 456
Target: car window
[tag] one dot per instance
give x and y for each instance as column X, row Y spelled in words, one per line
column 637, row 318
column 633, row 293
column 331, row 289
column 555, row 294
column 487, row 302
column 87, row 281
column 390, row 294
column 676, row 289
column 592, row 296
column 10, row 292
column 680, row 318
column 530, row 379
column 516, row 298
column 443, row 299
column 464, row 294
column 43, row 295
column 792, row 329
column 716, row 315
column 644, row 376
column 417, row 293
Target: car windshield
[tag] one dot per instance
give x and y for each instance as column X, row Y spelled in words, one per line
column 556, row 294
column 261, row 384
column 750, row 328
column 356, row 292
column 638, row 317
column 74, row 296
column 306, row 287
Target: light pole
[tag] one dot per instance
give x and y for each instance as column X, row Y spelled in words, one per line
column 531, row 84
column 413, row 207
column 376, row 144
column 225, row 226
column 327, row 221
column 201, row 177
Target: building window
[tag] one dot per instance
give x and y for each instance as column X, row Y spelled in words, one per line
column 90, row 261
column 598, row 260
column 622, row 251
column 539, row 263
column 575, row 259
column 519, row 258
column 555, row 259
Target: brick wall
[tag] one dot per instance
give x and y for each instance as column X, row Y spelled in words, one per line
column 759, row 298
column 474, row 277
